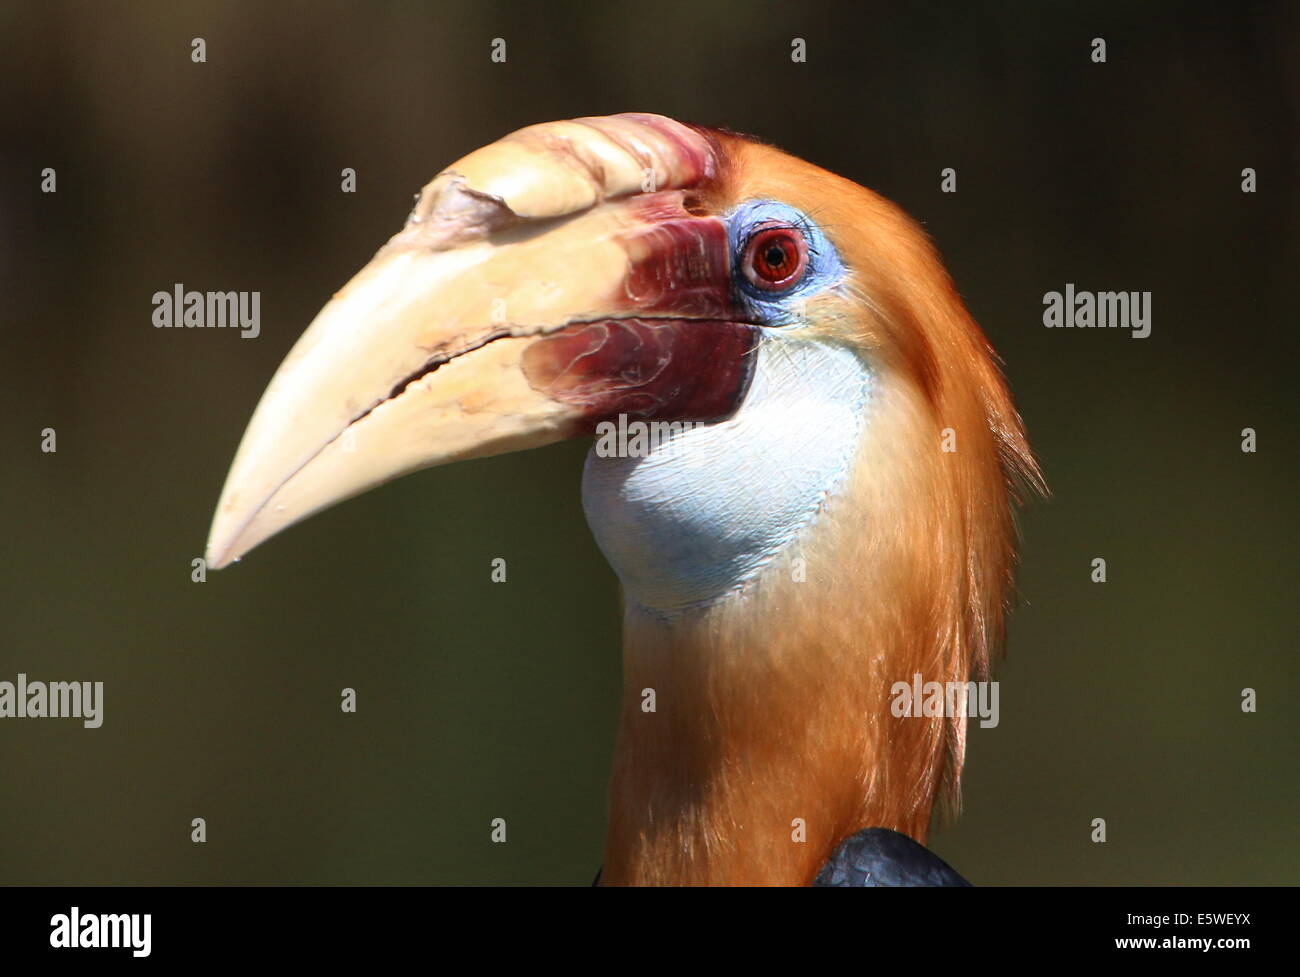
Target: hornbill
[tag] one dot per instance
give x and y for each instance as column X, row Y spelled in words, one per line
column 826, row 510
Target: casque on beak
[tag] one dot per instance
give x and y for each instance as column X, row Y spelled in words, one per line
column 534, row 291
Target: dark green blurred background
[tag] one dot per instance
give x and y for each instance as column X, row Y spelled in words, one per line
column 480, row 701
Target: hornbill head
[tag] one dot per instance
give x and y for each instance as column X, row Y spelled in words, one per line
column 827, row 407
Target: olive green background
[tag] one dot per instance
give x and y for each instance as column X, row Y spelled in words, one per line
column 479, row 701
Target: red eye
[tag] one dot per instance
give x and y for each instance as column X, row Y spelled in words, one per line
column 775, row 257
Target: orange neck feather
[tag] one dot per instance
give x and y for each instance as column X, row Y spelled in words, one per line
column 771, row 718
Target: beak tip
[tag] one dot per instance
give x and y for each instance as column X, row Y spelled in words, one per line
column 217, row 557
column 223, row 546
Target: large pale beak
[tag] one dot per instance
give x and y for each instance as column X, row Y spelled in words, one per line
column 533, row 292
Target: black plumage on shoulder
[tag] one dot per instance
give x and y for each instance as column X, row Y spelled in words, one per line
column 878, row 856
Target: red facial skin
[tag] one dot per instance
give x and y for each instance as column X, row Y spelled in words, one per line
column 681, row 354
column 679, row 263
column 647, row 369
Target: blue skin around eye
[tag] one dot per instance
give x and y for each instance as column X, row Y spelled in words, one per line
column 825, row 269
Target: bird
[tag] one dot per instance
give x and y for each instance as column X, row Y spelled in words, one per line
column 805, row 469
